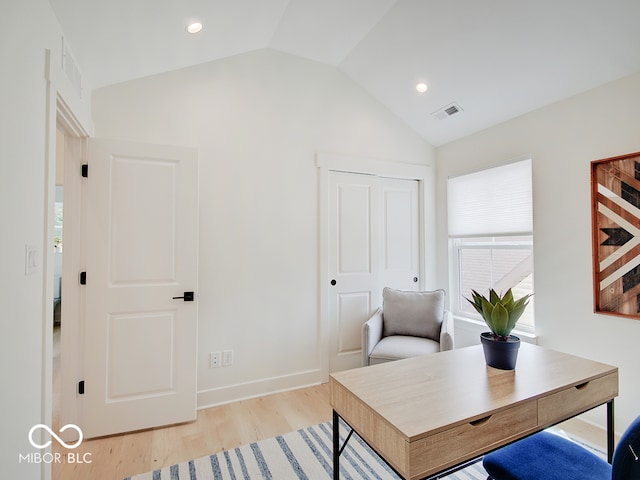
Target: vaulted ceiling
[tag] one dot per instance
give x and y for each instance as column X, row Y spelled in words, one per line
column 493, row 59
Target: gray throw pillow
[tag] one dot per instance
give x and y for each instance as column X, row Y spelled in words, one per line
column 418, row 314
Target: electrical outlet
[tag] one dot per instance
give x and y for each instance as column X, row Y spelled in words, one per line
column 214, row 359
column 227, row 358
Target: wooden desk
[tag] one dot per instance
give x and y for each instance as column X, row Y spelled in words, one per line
column 427, row 414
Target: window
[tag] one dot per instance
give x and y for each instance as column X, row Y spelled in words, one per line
column 490, row 233
column 494, row 262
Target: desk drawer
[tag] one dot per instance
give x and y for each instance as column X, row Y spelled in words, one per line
column 447, row 448
column 574, row 400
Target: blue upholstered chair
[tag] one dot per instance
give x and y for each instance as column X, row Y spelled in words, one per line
column 546, row 456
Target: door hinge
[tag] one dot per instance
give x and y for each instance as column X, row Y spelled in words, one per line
column 85, row 170
column 83, row 278
column 81, row 387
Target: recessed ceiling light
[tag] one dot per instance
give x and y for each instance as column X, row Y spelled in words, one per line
column 421, row 87
column 194, row 27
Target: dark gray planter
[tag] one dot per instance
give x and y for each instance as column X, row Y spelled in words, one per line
column 500, row 354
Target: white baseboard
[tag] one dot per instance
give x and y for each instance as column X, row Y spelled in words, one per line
column 242, row 391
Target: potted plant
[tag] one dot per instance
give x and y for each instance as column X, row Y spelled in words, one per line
column 501, row 315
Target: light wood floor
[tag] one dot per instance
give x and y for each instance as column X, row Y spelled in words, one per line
column 217, row 429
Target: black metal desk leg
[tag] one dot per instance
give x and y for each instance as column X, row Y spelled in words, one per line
column 610, row 431
column 336, row 446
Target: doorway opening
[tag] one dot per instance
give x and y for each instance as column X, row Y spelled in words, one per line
column 68, row 258
column 57, row 245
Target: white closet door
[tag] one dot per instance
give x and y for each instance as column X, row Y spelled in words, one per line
column 373, row 243
column 353, row 263
column 400, row 243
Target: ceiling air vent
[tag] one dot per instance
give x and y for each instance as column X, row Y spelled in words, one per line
column 447, row 111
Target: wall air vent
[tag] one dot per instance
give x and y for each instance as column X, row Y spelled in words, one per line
column 70, row 68
column 447, row 111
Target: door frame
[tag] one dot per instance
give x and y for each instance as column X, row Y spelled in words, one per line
column 326, row 163
column 68, row 110
column 72, row 334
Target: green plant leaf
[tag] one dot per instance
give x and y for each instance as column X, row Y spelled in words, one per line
column 500, row 320
column 493, row 297
column 507, row 299
column 515, row 314
column 500, row 313
column 476, row 302
column 524, row 301
column 487, row 312
column 508, row 295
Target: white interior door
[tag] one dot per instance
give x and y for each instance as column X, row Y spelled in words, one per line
column 374, row 241
column 400, row 249
column 354, row 294
column 141, row 249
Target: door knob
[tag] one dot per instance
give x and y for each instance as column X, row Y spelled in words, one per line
column 333, row 282
column 187, row 297
column 415, row 279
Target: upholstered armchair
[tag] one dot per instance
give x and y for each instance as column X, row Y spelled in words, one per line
column 407, row 325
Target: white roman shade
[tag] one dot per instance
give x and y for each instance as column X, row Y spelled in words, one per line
column 492, row 202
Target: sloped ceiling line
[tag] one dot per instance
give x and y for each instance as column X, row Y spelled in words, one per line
column 497, row 58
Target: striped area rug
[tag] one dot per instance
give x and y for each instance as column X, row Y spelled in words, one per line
column 304, row 454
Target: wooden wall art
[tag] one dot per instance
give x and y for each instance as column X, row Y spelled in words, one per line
column 615, row 203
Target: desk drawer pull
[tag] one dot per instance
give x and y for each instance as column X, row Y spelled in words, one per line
column 480, row 421
column 582, row 386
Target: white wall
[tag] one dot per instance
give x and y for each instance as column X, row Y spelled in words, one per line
column 563, row 139
column 25, row 194
column 258, row 119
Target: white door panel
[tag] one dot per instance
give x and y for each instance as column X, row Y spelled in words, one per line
column 139, row 255
column 352, row 309
column 373, row 243
column 353, row 269
column 401, row 234
column 140, row 347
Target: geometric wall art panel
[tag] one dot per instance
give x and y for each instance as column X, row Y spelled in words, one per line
column 615, row 216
